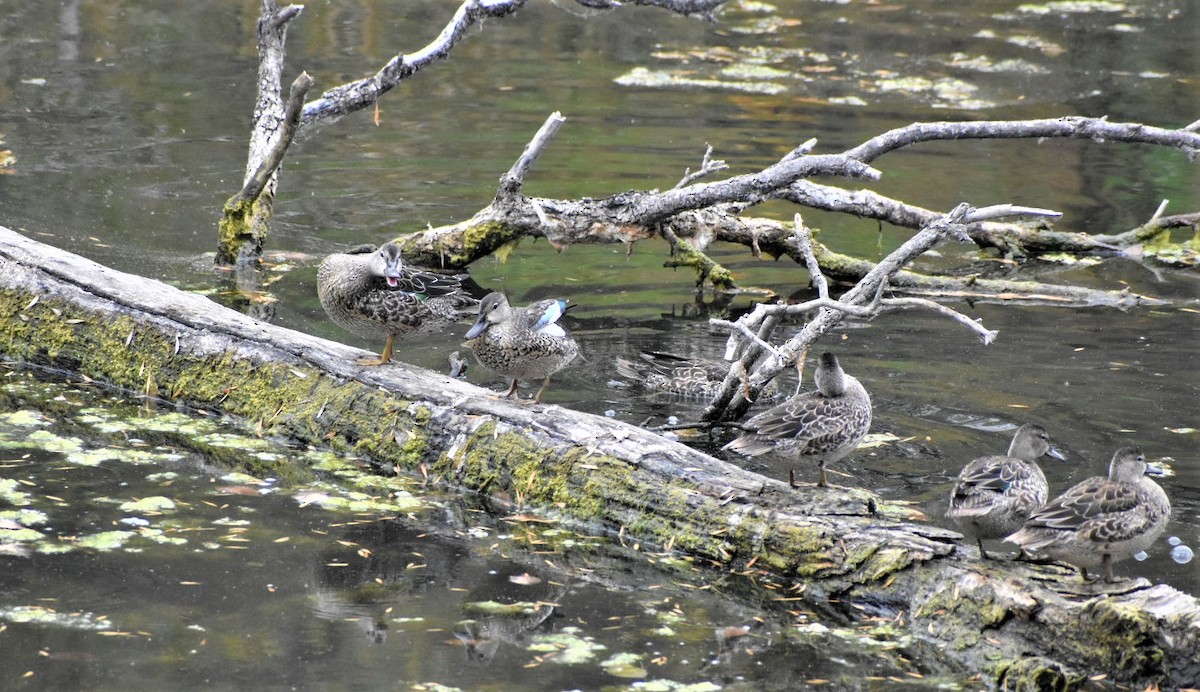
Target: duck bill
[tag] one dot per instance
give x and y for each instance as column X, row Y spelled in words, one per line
column 1055, row 454
column 477, row 328
column 1159, row 469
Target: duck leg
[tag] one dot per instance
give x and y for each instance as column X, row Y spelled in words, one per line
column 800, row 484
column 982, row 553
column 537, row 398
column 385, row 357
column 512, row 388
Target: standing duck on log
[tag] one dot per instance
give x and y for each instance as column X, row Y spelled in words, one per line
column 826, row 424
column 1101, row 520
column 369, row 291
column 521, row 343
column 994, row 495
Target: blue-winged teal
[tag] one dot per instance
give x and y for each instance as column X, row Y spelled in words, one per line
column 1101, row 520
column 994, row 495
column 370, row 292
column 521, row 343
column 679, row 376
column 826, row 424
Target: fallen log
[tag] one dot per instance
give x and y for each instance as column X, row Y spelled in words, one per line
column 847, row 553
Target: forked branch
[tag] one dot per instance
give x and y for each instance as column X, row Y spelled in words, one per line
column 863, row 301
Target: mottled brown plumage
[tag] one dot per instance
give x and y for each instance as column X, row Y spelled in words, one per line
column 371, row 293
column 680, row 376
column 994, row 495
column 1101, row 520
column 525, row 343
column 825, row 425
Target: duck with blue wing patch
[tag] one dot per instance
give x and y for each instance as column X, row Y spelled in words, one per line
column 523, row 343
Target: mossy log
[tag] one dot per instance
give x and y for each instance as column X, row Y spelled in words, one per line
column 845, row 552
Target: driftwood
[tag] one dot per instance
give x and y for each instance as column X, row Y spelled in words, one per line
column 246, row 218
column 844, row 553
column 703, row 212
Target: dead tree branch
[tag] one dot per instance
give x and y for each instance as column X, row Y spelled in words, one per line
column 244, row 227
column 863, row 301
column 1098, row 130
column 514, row 178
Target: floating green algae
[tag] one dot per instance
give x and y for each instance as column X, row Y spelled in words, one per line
column 154, row 503
column 567, row 645
column 645, row 77
column 11, row 493
column 497, row 609
column 42, row 615
column 624, row 665
column 105, row 540
column 24, row 419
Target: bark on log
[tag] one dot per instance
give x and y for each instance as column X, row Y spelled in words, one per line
column 846, row 552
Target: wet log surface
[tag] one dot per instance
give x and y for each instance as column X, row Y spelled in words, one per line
column 848, row 554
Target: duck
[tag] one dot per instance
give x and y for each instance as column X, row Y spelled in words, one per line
column 1102, row 520
column 521, row 343
column 826, row 424
column 994, row 495
column 370, row 292
column 680, row 376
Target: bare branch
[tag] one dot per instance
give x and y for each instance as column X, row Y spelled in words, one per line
column 1094, row 129
column 1162, row 207
column 863, row 300
column 742, row 328
column 511, row 181
column 804, row 242
column 703, row 8
column 654, row 207
column 255, row 182
column 707, row 167
column 987, row 336
column 353, row 96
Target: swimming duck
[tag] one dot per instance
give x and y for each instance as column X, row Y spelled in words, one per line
column 1101, row 520
column 994, row 495
column 521, row 343
column 826, row 424
column 369, row 291
column 687, row 378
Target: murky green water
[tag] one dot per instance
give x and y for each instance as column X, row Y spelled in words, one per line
column 128, row 126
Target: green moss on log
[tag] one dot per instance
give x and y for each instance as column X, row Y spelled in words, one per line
column 1122, row 637
column 472, row 242
column 1035, row 674
column 685, row 255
